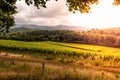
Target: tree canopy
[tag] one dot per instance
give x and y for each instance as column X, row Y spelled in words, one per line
column 8, row 9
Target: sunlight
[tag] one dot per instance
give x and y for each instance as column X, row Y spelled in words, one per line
column 102, row 15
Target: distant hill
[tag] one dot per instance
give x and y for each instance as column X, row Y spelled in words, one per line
column 19, row 29
column 64, row 27
column 27, row 27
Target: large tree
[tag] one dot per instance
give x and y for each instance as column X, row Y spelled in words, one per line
column 8, row 9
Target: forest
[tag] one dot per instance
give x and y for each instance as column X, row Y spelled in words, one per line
column 106, row 37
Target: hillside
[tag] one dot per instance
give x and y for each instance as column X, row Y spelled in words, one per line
column 19, row 27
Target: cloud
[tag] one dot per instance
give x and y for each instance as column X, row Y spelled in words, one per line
column 54, row 9
column 55, row 13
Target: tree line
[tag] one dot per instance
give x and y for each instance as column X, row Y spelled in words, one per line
column 107, row 37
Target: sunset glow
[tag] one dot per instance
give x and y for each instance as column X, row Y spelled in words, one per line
column 102, row 15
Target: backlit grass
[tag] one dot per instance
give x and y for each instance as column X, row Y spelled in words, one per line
column 66, row 52
column 56, row 47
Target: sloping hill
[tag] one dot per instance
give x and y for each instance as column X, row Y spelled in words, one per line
column 19, row 29
column 24, row 27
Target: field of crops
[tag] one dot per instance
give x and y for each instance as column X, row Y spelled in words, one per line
column 65, row 52
column 59, row 48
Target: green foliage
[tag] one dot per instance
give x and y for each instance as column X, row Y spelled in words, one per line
column 110, row 37
column 80, row 5
column 44, row 35
column 7, row 9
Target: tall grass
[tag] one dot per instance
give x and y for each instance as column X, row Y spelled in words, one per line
column 42, row 71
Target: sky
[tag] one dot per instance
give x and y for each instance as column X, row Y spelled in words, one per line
column 103, row 15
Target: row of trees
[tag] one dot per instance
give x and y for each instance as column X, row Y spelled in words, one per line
column 44, row 35
column 96, row 37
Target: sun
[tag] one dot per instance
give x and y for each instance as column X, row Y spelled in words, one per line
column 102, row 15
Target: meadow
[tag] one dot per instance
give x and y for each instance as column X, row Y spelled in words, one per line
column 58, row 47
column 21, row 69
column 85, row 62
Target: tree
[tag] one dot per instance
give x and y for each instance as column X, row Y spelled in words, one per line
column 8, row 9
column 116, row 2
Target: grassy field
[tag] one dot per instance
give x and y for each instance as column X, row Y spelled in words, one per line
column 58, row 47
column 93, row 62
column 25, row 69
